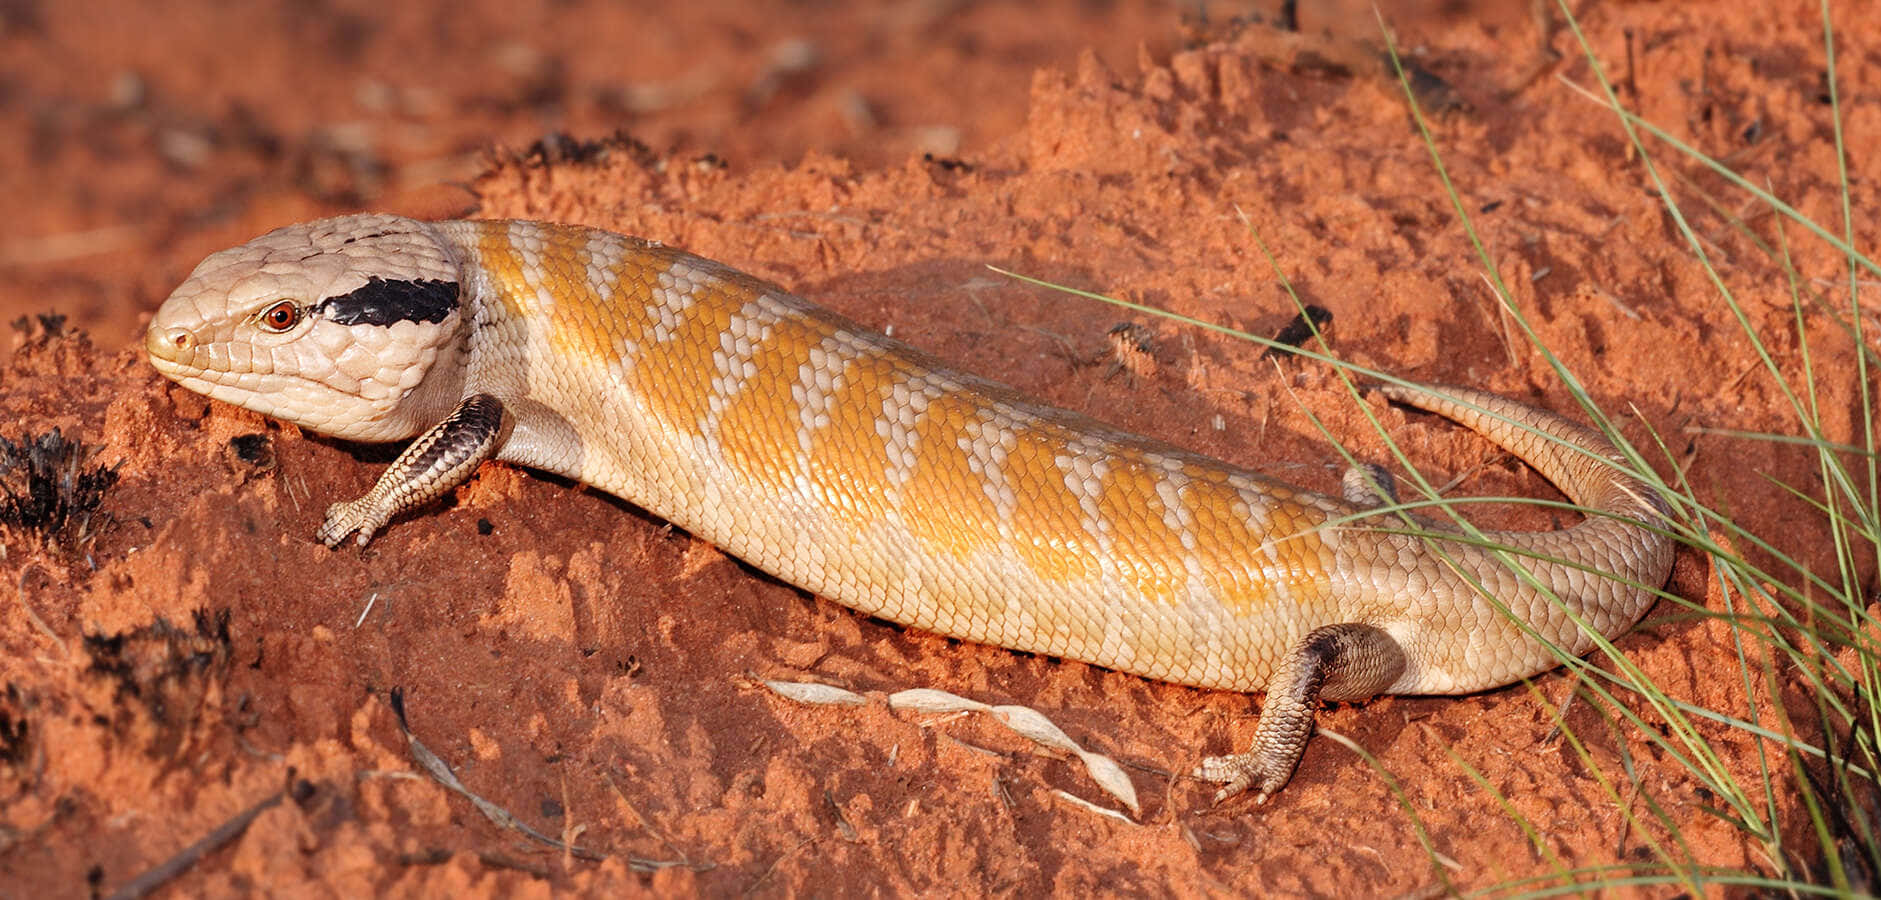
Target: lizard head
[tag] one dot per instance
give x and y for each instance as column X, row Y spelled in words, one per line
column 333, row 325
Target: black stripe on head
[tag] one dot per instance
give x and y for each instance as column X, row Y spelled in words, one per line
column 381, row 302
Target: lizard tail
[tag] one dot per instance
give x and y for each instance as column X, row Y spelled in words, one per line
column 1606, row 568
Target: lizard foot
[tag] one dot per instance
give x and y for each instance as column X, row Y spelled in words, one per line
column 362, row 515
column 1242, row 772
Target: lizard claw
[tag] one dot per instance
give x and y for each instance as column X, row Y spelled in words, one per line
column 345, row 518
column 1237, row 774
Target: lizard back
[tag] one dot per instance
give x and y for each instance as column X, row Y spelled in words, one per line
column 867, row 471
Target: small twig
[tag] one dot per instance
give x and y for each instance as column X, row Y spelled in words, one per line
column 1626, row 821
column 1088, row 806
column 1616, row 302
column 293, row 495
column 758, row 882
column 571, row 832
column 1503, row 314
column 843, row 828
column 500, row 861
column 440, row 771
column 644, row 821
column 38, row 622
column 190, row 855
column 1066, row 348
column 1561, row 711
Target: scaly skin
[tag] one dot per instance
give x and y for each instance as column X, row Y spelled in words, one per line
column 868, row 472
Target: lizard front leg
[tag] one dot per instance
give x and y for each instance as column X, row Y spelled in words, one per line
column 439, row 460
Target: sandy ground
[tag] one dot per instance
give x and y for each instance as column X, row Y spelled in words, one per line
column 597, row 674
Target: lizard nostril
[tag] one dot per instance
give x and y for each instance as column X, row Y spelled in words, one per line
column 169, row 344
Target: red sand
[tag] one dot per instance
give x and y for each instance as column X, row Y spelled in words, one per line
column 592, row 671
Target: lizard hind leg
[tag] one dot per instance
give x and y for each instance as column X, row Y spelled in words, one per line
column 1345, row 661
column 1369, row 485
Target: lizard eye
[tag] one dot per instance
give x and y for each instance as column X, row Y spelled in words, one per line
column 281, row 316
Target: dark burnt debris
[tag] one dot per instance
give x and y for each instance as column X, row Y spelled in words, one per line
column 40, row 327
column 1311, row 320
column 50, row 492
column 151, row 654
column 156, row 679
column 15, row 743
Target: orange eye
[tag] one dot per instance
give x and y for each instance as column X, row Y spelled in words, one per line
column 281, row 316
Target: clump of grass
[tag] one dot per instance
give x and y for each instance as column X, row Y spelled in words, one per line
column 1798, row 630
column 50, row 492
column 1812, row 629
